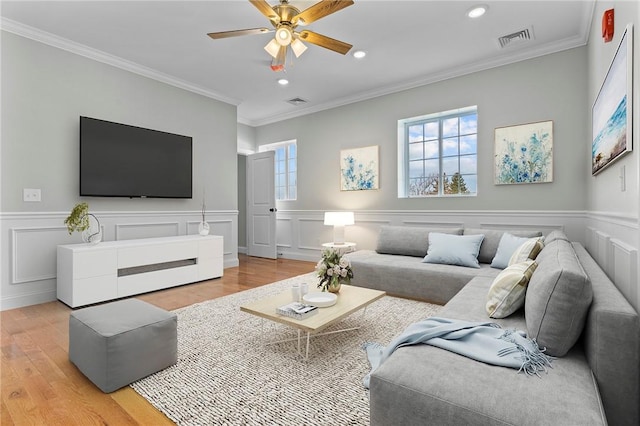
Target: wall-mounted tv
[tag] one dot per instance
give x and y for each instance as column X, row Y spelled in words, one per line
column 118, row 160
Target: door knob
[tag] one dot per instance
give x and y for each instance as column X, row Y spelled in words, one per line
column 273, row 210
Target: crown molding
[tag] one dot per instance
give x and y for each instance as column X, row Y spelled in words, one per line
column 106, row 58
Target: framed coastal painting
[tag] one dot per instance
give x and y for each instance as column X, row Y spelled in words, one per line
column 611, row 114
column 359, row 169
column 524, row 153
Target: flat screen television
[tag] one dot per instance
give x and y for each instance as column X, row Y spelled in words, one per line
column 118, row 160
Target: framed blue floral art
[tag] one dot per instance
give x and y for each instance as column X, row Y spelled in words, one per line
column 524, row 153
column 359, row 169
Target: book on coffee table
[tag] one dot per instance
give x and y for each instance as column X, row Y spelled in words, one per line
column 297, row 310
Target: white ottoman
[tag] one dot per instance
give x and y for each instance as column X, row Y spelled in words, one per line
column 118, row 343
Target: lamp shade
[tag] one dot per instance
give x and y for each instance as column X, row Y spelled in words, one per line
column 273, row 47
column 298, row 47
column 338, row 218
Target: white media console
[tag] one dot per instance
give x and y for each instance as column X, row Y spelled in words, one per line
column 113, row 269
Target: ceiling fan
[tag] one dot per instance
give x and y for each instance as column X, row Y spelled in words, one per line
column 285, row 19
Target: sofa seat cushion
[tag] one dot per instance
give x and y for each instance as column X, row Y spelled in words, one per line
column 408, row 276
column 451, row 389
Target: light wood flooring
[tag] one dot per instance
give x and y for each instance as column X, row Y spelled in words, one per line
column 39, row 386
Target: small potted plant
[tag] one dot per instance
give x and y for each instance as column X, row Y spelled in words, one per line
column 79, row 220
column 333, row 270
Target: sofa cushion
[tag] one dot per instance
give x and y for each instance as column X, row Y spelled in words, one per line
column 528, row 250
column 506, row 294
column 450, row 249
column 408, row 240
column 509, row 243
column 492, row 238
column 557, row 299
column 556, row 234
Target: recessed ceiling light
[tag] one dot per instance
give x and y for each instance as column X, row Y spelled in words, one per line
column 283, row 82
column 359, row 54
column 477, row 11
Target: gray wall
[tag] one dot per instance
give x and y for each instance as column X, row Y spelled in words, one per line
column 45, row 90
column 242, row 202
column 604, row 190
column 545, row 88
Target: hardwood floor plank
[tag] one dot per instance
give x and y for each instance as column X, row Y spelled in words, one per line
column 40, row 386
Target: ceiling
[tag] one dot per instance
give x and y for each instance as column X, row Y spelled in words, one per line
column 408, row 43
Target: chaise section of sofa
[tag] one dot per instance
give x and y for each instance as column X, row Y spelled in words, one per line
column 595, row 382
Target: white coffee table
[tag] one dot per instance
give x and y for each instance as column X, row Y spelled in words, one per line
column 350, row 299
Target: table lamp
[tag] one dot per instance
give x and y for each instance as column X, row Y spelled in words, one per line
column 339, row 220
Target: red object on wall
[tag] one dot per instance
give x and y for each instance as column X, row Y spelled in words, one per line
column 607, row 25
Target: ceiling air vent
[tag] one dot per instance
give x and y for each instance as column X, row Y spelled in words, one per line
column 297, row 101
column 516, row 38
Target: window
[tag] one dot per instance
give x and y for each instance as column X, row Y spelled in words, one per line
column 286, row 154
column 438, row 154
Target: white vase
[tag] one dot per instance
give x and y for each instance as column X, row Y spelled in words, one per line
column 93, row 234
column 203, row 228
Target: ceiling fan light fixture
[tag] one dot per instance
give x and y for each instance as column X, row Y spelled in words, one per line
column 283, row 36
column 283, row 82
column 298, row 47
column 273, row 47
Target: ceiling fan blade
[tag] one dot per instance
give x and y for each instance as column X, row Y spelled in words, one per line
column 326, row 42
column 277, row 64
column 236, row 33
column 266, row 10
column 320, row 10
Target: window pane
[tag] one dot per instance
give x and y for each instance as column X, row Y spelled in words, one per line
column 423, row 186
column 416, row 169
column 431, row 167
column 280, row 193
column 293, row 150
column 431, row 150
column 416, row 133
column 292, row 165
column 431, row 130
column 471, row 182
column 292, row 193
column 415, row 151
column 468, row 144
column 450, row 166
column 280, row 154
column 469, row 164
column 292, row 179
column 450, row 147
column 469, row 124
column 450, row 127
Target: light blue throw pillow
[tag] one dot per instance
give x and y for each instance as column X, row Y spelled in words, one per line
column 508, row 245
column 454, row 249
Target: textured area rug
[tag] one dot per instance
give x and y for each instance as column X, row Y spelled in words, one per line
column 228, row 374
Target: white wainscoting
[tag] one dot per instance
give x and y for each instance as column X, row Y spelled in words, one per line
column 29, row 241
column 613, row 240
column 300, row 233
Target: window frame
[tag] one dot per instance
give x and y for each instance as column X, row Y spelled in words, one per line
column 404, row 157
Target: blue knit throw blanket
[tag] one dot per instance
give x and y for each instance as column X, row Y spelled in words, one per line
column 481, row 341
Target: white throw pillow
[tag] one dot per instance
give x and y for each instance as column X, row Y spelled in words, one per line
column 528, row 250
column 509, row 288
column 454, row 249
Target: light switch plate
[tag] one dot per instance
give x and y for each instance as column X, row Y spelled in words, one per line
column 31, row 195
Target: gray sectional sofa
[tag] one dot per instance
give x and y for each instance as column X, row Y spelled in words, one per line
column 571, row 307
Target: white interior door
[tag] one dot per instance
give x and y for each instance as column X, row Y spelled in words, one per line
column 261, row 205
